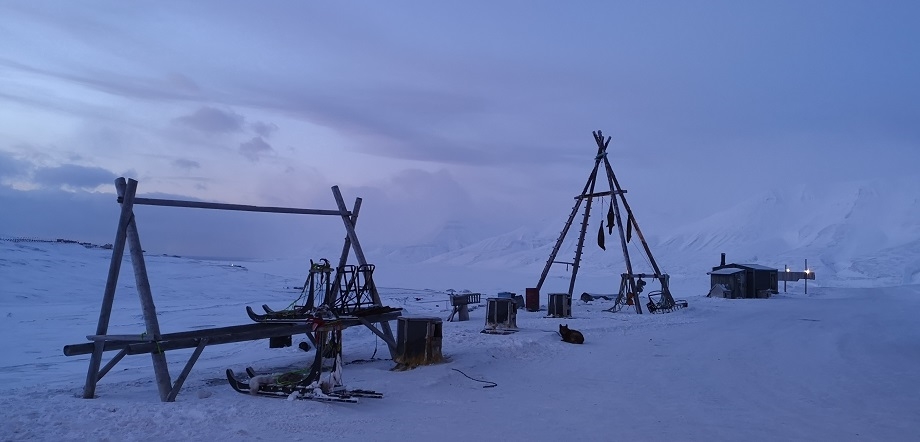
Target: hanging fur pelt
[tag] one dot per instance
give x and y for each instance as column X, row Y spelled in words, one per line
column 600, row 237
column 610, row 219
column 629, row 223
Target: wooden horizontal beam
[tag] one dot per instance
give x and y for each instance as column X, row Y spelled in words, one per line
column 120, row 338
column 794, row 276
column 175, row 341
column 590, row 195
column 221, row 335
column 235, row 207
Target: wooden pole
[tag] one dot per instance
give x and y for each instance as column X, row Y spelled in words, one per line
column 615, row 187
column 108, row 297
column 568, row 225
column 580, row 245
column 188, row 369
column 359, row 254
column 235, row 207
column 349, row 226
column 343, row 257
column 160, row 368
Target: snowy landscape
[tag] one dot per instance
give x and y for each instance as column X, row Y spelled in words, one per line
column 837, row 363
column 778, row 135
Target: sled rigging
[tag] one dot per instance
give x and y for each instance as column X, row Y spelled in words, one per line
column 321, row 381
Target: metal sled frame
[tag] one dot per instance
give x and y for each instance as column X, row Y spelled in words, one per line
column 663, row 304
column 657, row 303
column 317, row 285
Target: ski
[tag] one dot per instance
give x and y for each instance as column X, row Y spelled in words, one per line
column 280, row 316
column 283, row 312
column 251, row 372
column 300, row 392
column 288, row 392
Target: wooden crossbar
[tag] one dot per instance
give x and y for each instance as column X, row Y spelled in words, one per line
column 235, row 207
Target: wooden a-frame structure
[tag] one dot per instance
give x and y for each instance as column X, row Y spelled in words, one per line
column 629, row 286
column 157, row 344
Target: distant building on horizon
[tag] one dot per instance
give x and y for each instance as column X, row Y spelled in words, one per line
column 743, row 280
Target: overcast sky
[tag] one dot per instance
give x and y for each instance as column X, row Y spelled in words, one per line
column 474, row 111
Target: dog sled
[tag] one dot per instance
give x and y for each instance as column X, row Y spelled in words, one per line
column 660, row 304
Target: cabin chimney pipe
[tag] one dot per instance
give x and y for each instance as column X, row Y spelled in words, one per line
column 723, row 260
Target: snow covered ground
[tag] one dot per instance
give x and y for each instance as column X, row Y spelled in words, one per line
column 836, row 364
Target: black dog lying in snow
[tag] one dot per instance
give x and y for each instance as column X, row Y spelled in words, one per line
column 571, row 336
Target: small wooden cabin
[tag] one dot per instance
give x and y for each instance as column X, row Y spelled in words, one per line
column 744, row 280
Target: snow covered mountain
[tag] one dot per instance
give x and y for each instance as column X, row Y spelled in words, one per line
column 862, row 233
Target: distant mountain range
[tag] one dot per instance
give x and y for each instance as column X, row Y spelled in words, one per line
column 855, row 233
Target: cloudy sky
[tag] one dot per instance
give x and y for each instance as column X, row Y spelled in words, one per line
column 475, row 112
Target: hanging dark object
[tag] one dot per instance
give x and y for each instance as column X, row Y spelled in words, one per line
column 600, row 237
column 629, row 223
column 610, row 220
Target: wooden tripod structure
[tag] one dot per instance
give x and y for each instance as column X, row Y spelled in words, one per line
column 629, row 287
column 155, row 343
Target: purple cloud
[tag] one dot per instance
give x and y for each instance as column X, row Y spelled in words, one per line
column 263, row 129
column 11, row 167
column 183, row 163
column 213, row 120
column 255, row 148
column 72, row 175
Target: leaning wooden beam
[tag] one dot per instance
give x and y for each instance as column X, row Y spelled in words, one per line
column 111, row 363
column 185, row 371
column 615, row 186
column 631, row 218
column 343, row 258
column 349, row 226
column 391, row 343
column 568, row 225
column 580, row 245
column 359, row 254
column 149, row 310
column 237, row 207
column 108, row 297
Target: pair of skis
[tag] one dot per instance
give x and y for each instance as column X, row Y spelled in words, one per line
column 296, row 391
column 282, row 315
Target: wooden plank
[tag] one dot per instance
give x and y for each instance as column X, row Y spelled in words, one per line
column 795, row 276
column 185, row 371
column 152, row 324
column 359, row 254
column 175, row 341
column 343, row 258
column 112, row 363
column 580, row 244
column 615, row 185
column 234, row 207
column 126, row 338
column 391, row 343
column 349, row 226
column 108, row 296
column 568, row 224
column 600, row 194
